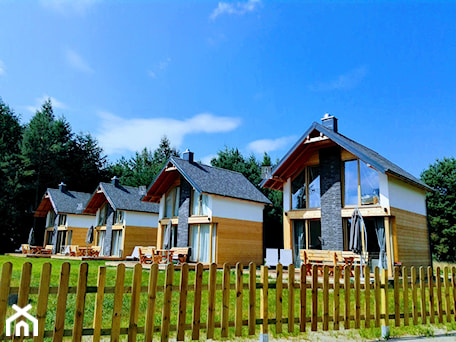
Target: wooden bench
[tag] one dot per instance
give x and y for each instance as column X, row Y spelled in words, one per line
column 147, row 255
column 180, row 254
column 47, row 249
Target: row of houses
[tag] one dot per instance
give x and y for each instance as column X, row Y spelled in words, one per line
column 219, row 213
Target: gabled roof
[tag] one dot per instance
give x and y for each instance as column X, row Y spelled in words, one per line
column 364, row 153
column 62, row 202
column 204, row 179
column 120, row 197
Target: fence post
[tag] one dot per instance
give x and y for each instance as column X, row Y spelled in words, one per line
column 279, row 298
column 447, row 294
column 98, row 311
column 43, row 296
column 118, row 300
column 367, row 296
column 385, row 322
column 183, row 303
column 197, row 303
column 225, row 299
column 291, row 297
column 347, row 271
column 453, row 284
column 377, row 296
column 405, row 293
column 264, row 305
column 5, row 283
column 397, row 311
column 135, row 302
column 430, row 275
column 80, row 302
column 314, row 317
column 252, row 298
column 211, row 305
column 303, row 309
column 439, row 295
column 167, row 297
column 62, row 294
column 24, row 290
column 357, row 297
column 238, row 312
column 326, row 297
column 151, row 299
column 423, row 295
column 336, row 295
column 414, row 295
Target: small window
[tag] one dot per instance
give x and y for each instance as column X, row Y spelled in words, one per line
column 51, row 218
column 298, row 191
column 200, row 204
column 119, row 218
column 172, row 202
column 62, row 220
column 103, row 217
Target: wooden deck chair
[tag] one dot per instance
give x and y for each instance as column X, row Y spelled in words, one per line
column 47, row 249
column 74, row 250
column 95, row 251
column 272, row 257
column 25, row 248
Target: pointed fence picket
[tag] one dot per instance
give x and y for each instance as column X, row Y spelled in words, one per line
column 190, row 302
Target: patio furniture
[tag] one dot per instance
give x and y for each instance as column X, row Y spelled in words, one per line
column 164, row 256
column 146, row 255
column 180, row 254
column 286, row 257
column 272, row 257
column 95, row 251
column 74, row 250
column 134, row 255
column 47, row 250
column 25, row 248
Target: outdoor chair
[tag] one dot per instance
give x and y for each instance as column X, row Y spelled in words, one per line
column 25, row 248
column 272, row 257
column 74, row 250
column 134, row 255
column 286, row 257
column 47, row 250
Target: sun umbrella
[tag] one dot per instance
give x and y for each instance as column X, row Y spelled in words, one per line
column 357, row 229
column 89, row 237
column 31, row 237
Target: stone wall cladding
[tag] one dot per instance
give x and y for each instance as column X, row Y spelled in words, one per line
column 331, row 199
column 184, row 212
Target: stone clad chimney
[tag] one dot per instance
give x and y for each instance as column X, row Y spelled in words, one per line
column 62, row 187
column 329, row 121
column 115, row 181
column 188, row 155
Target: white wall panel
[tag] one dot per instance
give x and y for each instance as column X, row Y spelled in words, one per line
column 139, row 219
column 236, row 209
column 406, row 197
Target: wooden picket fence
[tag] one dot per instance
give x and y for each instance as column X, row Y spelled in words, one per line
column 273, row 302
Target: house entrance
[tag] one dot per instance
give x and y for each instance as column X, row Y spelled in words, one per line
column 306, row 235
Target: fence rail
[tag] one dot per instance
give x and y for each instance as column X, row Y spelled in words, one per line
column 228, row 302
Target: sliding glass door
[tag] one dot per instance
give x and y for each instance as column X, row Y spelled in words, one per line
column 202, row 243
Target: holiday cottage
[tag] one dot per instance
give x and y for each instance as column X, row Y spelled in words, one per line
column 216, row 212
column 326, row 175
column 122, row 220
column 63, row 210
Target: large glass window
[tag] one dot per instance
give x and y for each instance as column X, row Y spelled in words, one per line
column 116, row 243
column 305, row 189
column 200, row 204
column 51, row 218
column 172, row 202
column 101, row 238
column 103, row 216
column 119, row 217
column 306, row 235
column 361, row 184
column 203, row 248
column 62, row 220
column 298, row 191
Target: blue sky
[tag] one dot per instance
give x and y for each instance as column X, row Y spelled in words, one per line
column 250, row 74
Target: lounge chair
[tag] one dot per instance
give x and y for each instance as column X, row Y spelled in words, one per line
column 286, row 257
column 135, row 254
column 272, row 257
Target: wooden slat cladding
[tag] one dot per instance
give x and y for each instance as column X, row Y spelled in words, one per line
column 412, row 239
column 239, row 241
column 138, row 236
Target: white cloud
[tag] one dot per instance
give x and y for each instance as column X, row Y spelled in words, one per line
column 118, row 135
column 77, row 62
column 269, row 145
column 56, row 104
column 69, row 6
column 2, row 68
column 348, row 80
column 239, row 8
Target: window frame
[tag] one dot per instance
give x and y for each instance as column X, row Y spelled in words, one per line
column 212, row 244
column 174, row 192
column 359, row 188
column 306, row 184
column 200, row 203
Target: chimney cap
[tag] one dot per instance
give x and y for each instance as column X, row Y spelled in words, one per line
column 62, row 186
column 329, row 121
column 188, row 155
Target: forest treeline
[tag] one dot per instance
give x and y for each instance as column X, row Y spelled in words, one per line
column 45, row 152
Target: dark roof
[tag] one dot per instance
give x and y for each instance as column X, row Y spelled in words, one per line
column 63, row 202
column 214, row 180
column 121, row 197
column 364, row 153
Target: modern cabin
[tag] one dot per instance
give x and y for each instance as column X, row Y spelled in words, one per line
column 63, row 210
column 216, row 212
column 326, row 175
column 122, row 220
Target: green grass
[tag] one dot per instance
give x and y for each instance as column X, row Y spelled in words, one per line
column 364, row 333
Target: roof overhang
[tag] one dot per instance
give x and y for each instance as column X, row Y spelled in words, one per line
column 45, row 206
column 96, row 201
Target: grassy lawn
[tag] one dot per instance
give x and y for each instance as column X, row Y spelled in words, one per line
column 37, row 263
